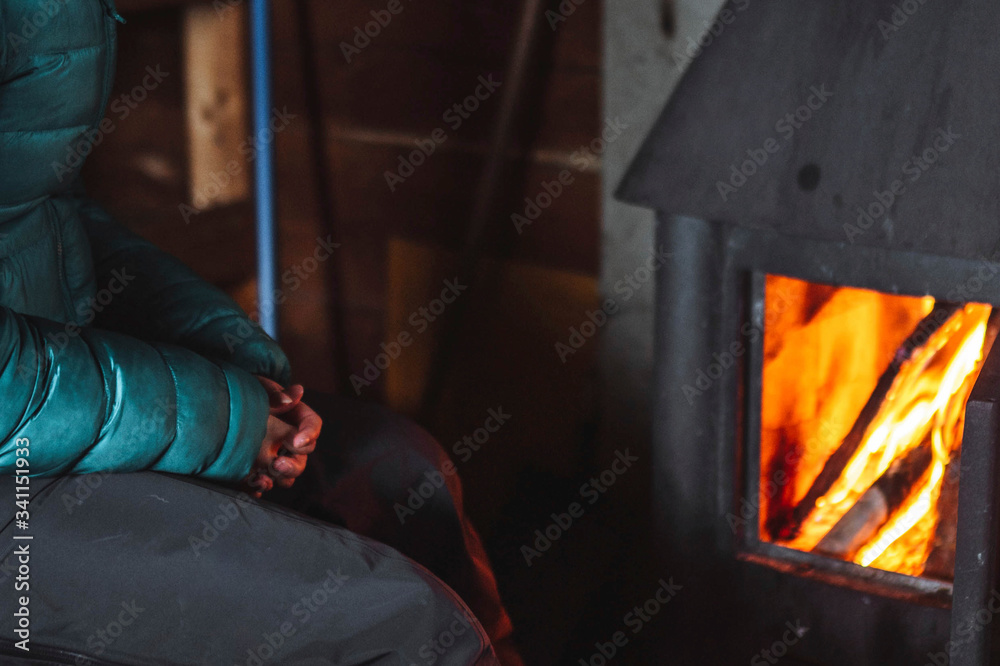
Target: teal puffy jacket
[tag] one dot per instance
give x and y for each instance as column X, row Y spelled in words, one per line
column 114, row 356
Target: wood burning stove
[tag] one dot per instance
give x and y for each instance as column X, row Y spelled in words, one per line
column 826, row 427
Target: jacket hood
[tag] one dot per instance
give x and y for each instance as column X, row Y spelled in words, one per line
column 51, row 54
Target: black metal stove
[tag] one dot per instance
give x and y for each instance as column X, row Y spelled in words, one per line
column 852, row 144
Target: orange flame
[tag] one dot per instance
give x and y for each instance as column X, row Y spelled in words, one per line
column 926, row 401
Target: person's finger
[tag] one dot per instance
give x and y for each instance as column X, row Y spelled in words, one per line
column 246, row 485
column 287, row 467
column 269, row 385
column 280, row 399
column 290, row 398
column 251, row 485
column 260, row 482
column 295, row 392
column 304, row 444
column 308, row 425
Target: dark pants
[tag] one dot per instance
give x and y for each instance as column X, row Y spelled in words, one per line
column 156, row 569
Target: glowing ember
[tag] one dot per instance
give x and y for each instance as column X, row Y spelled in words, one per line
column 924, row 407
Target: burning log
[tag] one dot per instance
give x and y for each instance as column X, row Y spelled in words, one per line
column 941, row 561
column 874, row 508
column 837, row 462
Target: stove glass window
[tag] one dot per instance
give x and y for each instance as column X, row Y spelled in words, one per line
column 863, row 404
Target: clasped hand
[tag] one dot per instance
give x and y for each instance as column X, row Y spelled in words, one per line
column 292, row 430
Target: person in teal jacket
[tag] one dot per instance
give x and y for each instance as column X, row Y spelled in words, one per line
column 161, row 385
column 118, row 364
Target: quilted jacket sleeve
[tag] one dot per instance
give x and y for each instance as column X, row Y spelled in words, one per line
column 91, row 400
column 166, row 301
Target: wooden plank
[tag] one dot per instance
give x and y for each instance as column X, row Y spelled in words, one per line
column 539, row 305
column 505, row 359
column 217, row 121
column 218, row 244
column 127, row 7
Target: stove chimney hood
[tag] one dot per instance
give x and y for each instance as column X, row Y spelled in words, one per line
column 801, row 116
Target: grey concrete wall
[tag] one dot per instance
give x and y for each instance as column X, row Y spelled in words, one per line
column 642, row 65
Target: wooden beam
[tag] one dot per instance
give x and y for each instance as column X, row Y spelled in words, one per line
column 215, row 80
column 126, row 7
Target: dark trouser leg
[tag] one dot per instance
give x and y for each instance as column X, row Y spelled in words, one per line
column 366, row 463
column 148, row 568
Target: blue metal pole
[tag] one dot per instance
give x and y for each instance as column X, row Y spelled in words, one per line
column 267, row 255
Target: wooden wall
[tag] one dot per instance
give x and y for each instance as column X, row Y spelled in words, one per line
column 396, row 245
column 393, row 92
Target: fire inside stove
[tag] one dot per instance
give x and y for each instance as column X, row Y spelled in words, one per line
column 863, row 406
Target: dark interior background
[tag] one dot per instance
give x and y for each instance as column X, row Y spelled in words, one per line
column 397, row 247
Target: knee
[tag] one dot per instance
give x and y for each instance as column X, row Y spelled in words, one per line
column 393, row 453
column 457, row 638
column 400, row 437
column 441, row 627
